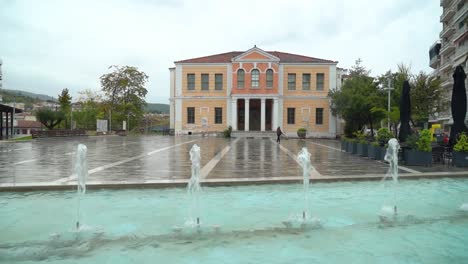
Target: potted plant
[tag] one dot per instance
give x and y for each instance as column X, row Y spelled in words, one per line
column 422, row 153
column 460, row 151
column 301, row 132
column 361, row 143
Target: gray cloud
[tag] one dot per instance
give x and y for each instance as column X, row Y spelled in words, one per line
column 50, row 45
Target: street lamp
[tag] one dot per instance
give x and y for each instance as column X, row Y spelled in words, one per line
column 389, row 89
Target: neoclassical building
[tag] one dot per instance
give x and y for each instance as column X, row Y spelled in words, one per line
column 253, row 90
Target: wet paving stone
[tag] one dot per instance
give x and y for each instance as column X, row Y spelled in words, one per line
column 144, row 158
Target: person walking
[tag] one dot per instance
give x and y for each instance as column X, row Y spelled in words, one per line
column 278, row 133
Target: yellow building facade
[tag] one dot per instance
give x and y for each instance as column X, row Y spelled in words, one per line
column 254, row 90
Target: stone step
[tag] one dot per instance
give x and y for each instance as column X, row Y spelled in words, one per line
column 253, row 134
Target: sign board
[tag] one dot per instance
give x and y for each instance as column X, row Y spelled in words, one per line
column 101, row 125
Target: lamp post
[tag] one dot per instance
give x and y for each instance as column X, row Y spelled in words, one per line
column 389, row 89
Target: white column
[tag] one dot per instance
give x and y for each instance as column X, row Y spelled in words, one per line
column 246, row 114
column 234, row 114
column 275, row 115
column 262, row 115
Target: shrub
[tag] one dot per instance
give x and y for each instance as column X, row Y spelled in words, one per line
column 227, row 132
column 383, row 136
column 301, row 130
column 360, row 137
column 411, row 141
column 374, row 143
column 462, row 143
column 424, row 141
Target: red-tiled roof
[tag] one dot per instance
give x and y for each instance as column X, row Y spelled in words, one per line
column 28, row 124
column 283, row 56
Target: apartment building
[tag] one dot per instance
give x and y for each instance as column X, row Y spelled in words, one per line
column 450, row 50
column 253, row 90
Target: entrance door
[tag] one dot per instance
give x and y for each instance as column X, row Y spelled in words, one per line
column 254, row 115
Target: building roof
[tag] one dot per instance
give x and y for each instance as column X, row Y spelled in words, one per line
column 28, row 124
column 6, row 108
column 283, row 56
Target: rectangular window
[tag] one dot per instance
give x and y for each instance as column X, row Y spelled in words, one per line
column 218, row 115
column 291, row 81
column 319, row 116
column 205, row 81
column 306, row 81
column 190, row 115
column 190, row 81
column 320, row 81
column 218, row 81
column 291, row 115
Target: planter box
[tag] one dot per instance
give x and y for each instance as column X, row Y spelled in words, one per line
column 354, row 150
column 302, row 134
column 349, row 147
column 379, row 153
column 343, row 145
column 418, row 158
column 460, row 159
column 362, row 149
column 371, row 151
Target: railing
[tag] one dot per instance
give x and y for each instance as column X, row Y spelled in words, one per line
column 447, row 31
column 447, row 46
column 448, row 13
column 58, row 133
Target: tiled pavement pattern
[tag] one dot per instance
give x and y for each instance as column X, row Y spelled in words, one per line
column 139, row 159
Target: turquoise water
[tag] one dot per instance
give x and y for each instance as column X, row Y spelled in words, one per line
column 240, row 225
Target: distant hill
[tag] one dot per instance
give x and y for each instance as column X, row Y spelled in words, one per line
column 157, row 108
column 39, row 97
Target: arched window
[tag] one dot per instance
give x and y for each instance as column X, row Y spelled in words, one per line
column 240, row 78
column 255, row 78
column 269, row 78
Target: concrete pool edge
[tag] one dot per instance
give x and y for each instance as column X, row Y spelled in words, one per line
column 180, row 183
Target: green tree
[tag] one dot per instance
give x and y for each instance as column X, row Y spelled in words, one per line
column 396, row 82
column 49, row 118
column 427, row 97
column 64, row 100
column 358, row 95
column 90, row 108
column 125, row 90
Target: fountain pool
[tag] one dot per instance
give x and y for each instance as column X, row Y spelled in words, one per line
column 240, row 225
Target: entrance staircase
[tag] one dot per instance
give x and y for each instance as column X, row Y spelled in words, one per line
column 253, row 134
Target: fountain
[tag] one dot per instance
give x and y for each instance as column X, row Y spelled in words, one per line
column 81, row 171
column 392, row 158
column 304, row 160
column 193, row 188
column 464, row 207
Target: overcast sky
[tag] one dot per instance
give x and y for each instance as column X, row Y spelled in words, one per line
column 49, row 45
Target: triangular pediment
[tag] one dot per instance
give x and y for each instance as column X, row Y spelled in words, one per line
column 255, row 54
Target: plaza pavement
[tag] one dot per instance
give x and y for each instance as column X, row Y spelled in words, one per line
column 161, row 161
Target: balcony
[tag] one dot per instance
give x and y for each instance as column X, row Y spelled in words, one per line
column 447, row 65
column 447, row 32
column 448, row 14
column 460, row 13
column 460, row 54
column 444, row 2
column 447, row 83
column 460, row 34
column 447, row 47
